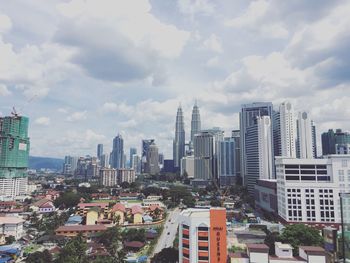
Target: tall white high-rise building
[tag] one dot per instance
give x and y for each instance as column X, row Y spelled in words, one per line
column 265, row 147
column 287, row 130
column 304, row 136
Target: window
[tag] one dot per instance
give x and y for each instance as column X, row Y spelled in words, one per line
column 341, row 172
column 202, row 228
column 344, row 163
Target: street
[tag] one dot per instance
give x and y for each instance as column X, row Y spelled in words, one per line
column 171, row 226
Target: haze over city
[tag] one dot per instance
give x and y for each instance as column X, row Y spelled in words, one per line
column 84, row 71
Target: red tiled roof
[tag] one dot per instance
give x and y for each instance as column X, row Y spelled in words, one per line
column 134, row 244
column 238, row 255
column 154, row 207
column 257, row 247
column 8, row 203
column 85, row 205
column 41, row 202
column 312, row 250
column 129, row 194
column 81, row 228
column 136, row 209
column 118, row 207
column 47, row 205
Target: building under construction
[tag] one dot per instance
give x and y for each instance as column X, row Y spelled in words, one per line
column 14, row 153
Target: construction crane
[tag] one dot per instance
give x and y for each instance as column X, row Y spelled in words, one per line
column 15, row 113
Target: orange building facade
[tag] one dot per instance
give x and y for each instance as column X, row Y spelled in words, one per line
column 202, row 236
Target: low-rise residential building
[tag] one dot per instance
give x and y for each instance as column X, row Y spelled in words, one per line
column 137, row 213
column 83, row 208
column 259, row 253
column 86, row 230
column 11, row 226
column 117, row 213
column 43, row 206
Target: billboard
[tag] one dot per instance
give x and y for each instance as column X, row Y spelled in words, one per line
column 330, row 239
column 345, row 225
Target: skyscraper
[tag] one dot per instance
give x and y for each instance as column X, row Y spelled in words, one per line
column 145, row 147
column 265, row 147
column 179, row 141
column 250, row 140
column 206, row 154
column 195, row 122
column 314, row 139
column 70, row 164
column 136, row 163
column 236, row 137
column 117, row 154
column 287, row 130
column 99, row 151
column 153, row 159
column 304, row 136
column 132, row 152
column 335, row 142
column 14, row 153
column 227, row 158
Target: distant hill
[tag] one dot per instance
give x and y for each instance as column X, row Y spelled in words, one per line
column 45, row 162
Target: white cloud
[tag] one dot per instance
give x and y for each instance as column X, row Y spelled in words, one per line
column 43, row 121
column 256, row 18
column 4, row 91
column 193, row 7
column 33, row 69
column 62, row 110
column 212, row 62
column 213, row 43
column 255, row 11
column 123, row 36
column 5, row 23
column 77, row 116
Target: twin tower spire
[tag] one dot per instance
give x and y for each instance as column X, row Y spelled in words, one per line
column 180, row 139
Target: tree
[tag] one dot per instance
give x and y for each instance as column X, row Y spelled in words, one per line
column 169, row 255
column 189, row 201
column 301, row 235
column 125, row 185
column 74, row 251
column 67, row 199
column 9, row 240
column 111, row 239
column 157, row 213
column 270, row 239
column 40, row 257
column 215, row 202
column 134, row 235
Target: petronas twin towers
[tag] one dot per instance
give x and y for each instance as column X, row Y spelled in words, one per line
column 180, row 138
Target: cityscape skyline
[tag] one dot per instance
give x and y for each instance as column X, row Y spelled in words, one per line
column 59, row 78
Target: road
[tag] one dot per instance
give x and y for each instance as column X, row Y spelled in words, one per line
column 171, row 226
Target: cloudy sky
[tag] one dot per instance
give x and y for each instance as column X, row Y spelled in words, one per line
column 85, row 70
